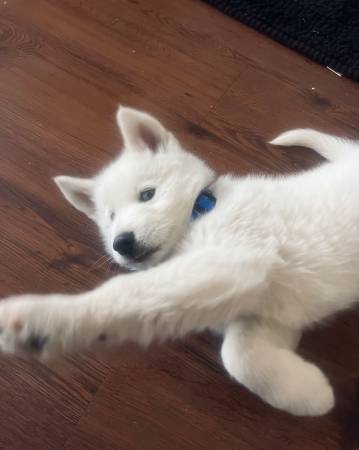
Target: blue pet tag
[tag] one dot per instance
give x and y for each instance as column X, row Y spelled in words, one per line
column 204, row 203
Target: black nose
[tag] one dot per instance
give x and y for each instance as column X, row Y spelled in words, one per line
column 124, row 244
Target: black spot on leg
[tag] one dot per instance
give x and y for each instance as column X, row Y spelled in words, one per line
column 36, row 342
column 102, row 337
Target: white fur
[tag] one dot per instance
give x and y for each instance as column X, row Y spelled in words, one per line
column 275, row 256
column 330, row 147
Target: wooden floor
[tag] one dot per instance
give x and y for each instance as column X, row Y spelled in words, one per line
column 225, row 90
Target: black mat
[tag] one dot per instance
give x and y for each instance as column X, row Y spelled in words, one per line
column 326, row 31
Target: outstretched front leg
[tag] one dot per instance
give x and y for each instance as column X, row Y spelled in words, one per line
column 188, row 293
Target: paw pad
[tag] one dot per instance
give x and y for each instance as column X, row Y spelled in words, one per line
column 17, row 325
column 102, row 337
column 36, row 342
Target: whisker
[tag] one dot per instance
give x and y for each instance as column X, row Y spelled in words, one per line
column 99, row 263
column 106, row 261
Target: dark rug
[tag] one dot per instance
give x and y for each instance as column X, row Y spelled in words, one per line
column 326, row 31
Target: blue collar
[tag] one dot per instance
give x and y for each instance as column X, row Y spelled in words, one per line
column 204, row 203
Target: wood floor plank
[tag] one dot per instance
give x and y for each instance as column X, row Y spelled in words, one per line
column 179, row 397
column 40, row 405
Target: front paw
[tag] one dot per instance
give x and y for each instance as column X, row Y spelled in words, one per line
column 36, row 326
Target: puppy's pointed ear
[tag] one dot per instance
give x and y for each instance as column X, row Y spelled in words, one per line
column 79, row 192
column 139, row 130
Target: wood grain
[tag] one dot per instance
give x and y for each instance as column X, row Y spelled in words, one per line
column 225, row 90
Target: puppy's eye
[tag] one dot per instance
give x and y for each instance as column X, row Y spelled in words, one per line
column 112, row 215
column 146, row 195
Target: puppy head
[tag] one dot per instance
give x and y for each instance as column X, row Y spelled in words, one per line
column 142, row 202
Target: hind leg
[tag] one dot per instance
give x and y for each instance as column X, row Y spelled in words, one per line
column 261, row 358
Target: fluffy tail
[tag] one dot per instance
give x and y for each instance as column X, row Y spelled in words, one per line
column 330, row 147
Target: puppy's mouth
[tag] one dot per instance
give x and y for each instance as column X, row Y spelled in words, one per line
column 143, row 257
column 144, row 254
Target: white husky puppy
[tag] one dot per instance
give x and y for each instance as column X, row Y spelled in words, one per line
column 260, row 258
